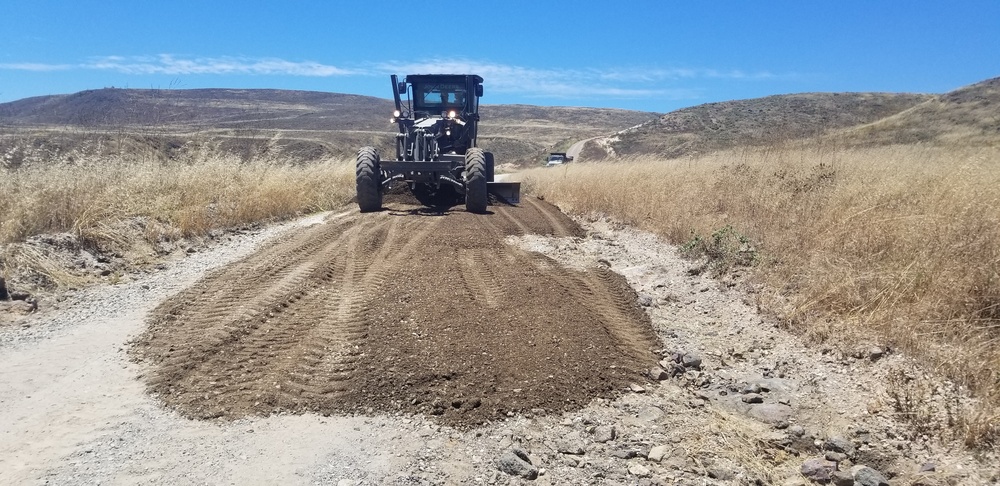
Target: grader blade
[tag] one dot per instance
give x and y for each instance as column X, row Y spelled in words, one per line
column 509, row 192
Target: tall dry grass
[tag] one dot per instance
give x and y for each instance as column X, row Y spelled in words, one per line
column 897, row 244
column 204, row 191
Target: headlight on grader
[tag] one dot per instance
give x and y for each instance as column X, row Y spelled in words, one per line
column 452, row 114
column 396, row 114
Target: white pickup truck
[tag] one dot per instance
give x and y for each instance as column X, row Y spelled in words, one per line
column 558, row 158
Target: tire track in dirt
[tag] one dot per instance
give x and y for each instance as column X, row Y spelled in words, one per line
column 560, row 224
column 241, row 315
column 407, row 309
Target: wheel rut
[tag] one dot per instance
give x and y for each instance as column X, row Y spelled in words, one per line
column 405, row 309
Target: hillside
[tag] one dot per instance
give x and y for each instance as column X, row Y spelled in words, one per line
column 969, row 115
column 307, row 124
column 759, row 121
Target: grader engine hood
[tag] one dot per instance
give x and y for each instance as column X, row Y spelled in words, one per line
column 427, row 123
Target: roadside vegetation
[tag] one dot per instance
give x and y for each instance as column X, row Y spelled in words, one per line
column 897, row 245
column 107, row 202
column 894, row 245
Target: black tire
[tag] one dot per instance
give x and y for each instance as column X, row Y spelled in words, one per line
column 475, row 181
column 490, row 166
column 369, row 179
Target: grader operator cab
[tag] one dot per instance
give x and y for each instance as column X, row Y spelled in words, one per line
column 436, row 152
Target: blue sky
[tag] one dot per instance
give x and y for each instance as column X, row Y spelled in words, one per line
column 644, row 55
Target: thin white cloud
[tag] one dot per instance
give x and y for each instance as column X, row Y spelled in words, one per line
column 35, row 66
column 173, row 65
column 633, row 82
column 650, row 75
column 557, row 83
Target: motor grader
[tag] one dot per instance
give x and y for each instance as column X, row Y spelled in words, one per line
column 436, row 152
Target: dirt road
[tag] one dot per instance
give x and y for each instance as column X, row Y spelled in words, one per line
column 407, row 327
column 575, row 149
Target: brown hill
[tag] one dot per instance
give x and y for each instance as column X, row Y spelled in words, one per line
column 759, row 121
column 304, row 123
column 969, row 115
column 266, row 108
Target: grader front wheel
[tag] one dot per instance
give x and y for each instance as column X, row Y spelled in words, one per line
column 368, row 175
column 476, row 196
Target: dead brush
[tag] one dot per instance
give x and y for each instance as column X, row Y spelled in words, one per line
column 892, row 244
column 101, row 200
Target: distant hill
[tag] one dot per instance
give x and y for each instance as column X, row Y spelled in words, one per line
column 969, row 115
column 759, row 121
column 307, row 125
column 314, row 123
column 219, row 108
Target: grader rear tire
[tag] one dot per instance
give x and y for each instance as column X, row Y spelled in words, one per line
column 369, row 180
column 476, row 197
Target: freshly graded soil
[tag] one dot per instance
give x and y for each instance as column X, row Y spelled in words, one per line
column 409, row 309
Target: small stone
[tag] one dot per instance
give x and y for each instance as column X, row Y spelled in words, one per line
column 645, row 300
column 797, row 430
column 624, row 453
column 753, row 398
column 571, row 461
column 516, row 462
column 928, row 467
column 836, row 456
column 605, row 433
column 818, row 470
column 635, row 387
column 875, row 353
column 638, row 470
column 839, row 444
column 691, row 360
column 658, row 453
column 569, row 447
column 658, row 374
column 842, row 478
column 650, row 414
column 771, row 413
column 866, row 476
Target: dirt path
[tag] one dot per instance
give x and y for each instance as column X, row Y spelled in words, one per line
column 575, row 149
column 405, row 329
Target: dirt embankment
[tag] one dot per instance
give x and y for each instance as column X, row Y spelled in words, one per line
column 404, row 310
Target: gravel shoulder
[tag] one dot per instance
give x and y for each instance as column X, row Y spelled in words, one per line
column 738, row 401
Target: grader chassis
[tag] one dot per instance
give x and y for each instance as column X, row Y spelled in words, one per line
column 436, row 152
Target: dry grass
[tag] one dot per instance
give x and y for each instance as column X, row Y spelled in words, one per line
column 204, row 191
column 897, row 244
